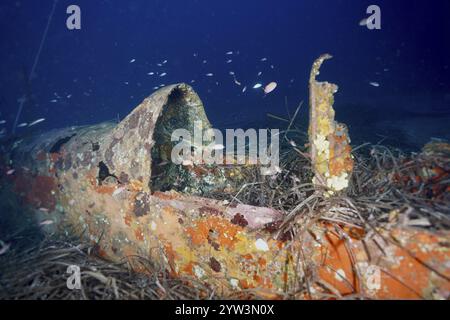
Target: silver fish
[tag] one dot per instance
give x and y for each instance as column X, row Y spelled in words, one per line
column 4, row 247
column 46, row 222
column 36, row 122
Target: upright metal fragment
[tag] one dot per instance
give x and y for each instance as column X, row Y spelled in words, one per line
column 331, row 157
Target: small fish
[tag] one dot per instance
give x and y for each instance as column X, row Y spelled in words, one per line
column 159, row 65
column 237, row 82
column 263, row 59
column 245, row 89
column 205, row 61
column 10, row 172
column 4, row 247
column 163, row 74
column 54, row 101
column 132, row 60
column 229, row 61
column 257, row 86
column 151, row 73
column 155, row 88
column 229, row 53
column 209, row 74
column 24, row 124
column 2, row 121
column 69, row 96
column 192, row 81
column 270, row 87
column 386, row 70
column 43, row 209
column 374, row 84
column 46, row 222
column 195, row 54
column 126, row 82
column 164, row 62
column 231, row 73
column 36, row 122
column 259, row 73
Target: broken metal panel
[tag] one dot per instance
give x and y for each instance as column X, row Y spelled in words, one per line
column 132, row 142
column 390, row 264
column 329, row 141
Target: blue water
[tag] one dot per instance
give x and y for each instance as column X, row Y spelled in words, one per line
column 89, row 74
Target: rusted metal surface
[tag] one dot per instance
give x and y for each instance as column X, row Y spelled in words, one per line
column 329, row 141
column 96, row 181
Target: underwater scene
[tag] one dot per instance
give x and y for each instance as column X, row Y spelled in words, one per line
column 224, row 150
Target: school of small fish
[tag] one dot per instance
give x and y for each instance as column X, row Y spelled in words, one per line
column 229, row 54
column 230, row 57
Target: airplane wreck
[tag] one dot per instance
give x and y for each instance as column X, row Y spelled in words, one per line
column 115, row 186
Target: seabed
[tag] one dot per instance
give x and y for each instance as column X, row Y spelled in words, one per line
column 335, row 222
